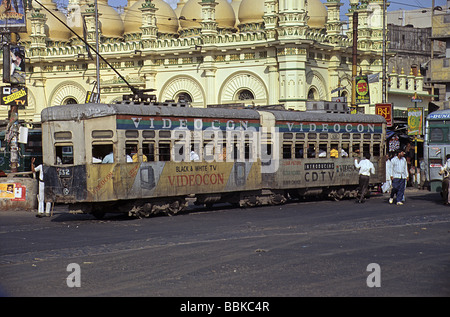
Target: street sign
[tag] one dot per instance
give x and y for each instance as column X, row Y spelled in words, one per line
column 14, row 96
column 384, row 110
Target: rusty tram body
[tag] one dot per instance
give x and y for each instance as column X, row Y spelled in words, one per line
column 246, row 157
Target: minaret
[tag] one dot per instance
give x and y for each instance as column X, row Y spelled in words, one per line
column 149, row 28
column 37, row 35
column 292, row 19
column 334, row 23
column 209, row 23
column 271, row 18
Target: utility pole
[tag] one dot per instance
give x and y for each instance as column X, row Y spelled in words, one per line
column 14, row 125
column 384, row 90
column 354, row 57
column 97, row 48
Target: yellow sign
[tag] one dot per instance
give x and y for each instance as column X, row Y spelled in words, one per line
column 415, row 121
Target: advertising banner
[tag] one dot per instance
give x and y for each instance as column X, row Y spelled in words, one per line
column 415, row 121
column 12, row 96
column 384, row 110
column 362, row 90
column 12, row 15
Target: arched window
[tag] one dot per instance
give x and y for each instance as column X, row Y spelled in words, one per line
column 245, row 94
column 184, row 96
column 313, row 94
column 70, row 101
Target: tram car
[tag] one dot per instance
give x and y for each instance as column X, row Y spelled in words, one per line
column 148, row 159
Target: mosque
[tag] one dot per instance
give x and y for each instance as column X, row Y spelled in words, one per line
column 209, row 52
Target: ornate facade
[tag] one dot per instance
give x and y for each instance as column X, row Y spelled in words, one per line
column 256, row 52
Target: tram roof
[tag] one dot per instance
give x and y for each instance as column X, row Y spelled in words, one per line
column 91, row 110
column 78, row 112
column 439, row 115
column 325, row 117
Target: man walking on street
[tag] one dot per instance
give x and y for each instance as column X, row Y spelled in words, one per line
column 445, row 171
column 399, row 176
column 365, row 168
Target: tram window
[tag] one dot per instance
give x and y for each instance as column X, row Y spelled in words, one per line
column 248, row 153
column 311, row 152
column 287, row 151
column 99, row 151
column 164, row 151
column 164, row 134
column 299, row 151
column 312, row 135
column 356, row 136
column 102, row 134
column 345, row 149
column 195, row 153
column 437, row 135
column 346, row 136
column 208, row 150
column 266, row 151
column 131, row 152
column 377, row 136
column 356, row 150
column 376, row 149
column 132, row 134
column 288, row 136
column 235, row 152
column 322, row 150
column 366, row 149
column 148, row 134
column 323, row 136
column 334, row 151
column 64, row 154
column 63, row 135
column 148, row 150
column 299, row 135
column 367, row 136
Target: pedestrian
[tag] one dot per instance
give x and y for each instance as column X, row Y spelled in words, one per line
column 388, row 184
column 399, row 177
column 445, row 171
column 40, row 170
column 365, row 168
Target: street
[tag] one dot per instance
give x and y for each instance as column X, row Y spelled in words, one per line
column 303, row 248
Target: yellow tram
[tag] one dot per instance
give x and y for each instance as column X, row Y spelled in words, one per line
column 145, row 159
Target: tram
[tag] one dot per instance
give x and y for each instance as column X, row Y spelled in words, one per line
column 436, row 146
column 138, row 158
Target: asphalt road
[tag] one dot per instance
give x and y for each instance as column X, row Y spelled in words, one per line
column 307, row 248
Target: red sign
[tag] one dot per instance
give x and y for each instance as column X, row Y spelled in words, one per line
column 384, row 110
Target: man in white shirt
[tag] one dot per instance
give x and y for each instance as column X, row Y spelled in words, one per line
column 40, row 170
column 399, row 177
column 445, row 171
column 365, row 169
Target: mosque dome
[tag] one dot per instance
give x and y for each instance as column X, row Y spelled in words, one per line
column 54, row 29
column 166, row 19
column 111, row 24
column 191, row 14
column 252, row 11
column 317, row 13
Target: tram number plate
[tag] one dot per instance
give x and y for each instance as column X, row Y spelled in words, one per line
column 63, row 172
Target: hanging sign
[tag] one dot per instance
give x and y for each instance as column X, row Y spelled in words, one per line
column 14, row 96
column 362, row 90
column 384, row 110
column 415, row 121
